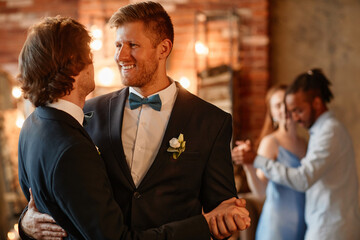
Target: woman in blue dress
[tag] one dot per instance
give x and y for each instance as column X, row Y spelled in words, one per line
column 282, row 216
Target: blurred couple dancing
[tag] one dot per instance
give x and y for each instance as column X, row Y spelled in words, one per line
column 311, row 189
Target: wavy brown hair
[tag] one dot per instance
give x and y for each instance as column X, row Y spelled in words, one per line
column 56, row 50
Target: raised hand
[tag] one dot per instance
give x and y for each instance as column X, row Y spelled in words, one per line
column 243, row 153
column 227, row 218
column 40, row 226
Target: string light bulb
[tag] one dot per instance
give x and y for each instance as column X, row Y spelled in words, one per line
column 185, row 82
column 96, row 44
column 20, row 119
column 16, row 92
column 11, row 235
column 106, row 77
column 201, row 49
column 16, row 227
column 97, row 34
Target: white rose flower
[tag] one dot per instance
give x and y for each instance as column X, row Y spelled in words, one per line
column 174, row 143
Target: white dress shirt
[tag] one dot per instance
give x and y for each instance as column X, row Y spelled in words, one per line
column 70, row 108
column 143, row 130
column 328, row 175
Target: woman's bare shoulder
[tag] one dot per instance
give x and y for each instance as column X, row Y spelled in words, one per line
column 268, row 147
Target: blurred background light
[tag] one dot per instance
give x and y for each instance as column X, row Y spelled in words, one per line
column 201, row 49
column 106, row 77
column 96, row 44
column 185, row 82
column 16, row 92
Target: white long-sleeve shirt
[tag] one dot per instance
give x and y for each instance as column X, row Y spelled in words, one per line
column 143, row 130
column 328, row 175
column 70, row 108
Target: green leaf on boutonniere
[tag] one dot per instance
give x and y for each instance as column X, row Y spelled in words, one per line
column 97, row 149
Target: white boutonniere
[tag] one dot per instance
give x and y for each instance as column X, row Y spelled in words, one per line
column 177, row 146
column 97, row 149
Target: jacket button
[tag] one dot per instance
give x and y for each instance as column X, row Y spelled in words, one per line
column 137, row 195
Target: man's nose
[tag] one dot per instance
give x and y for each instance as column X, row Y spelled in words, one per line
column 295, row 117
column 122, row 54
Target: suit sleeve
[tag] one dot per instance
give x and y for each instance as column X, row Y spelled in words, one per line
column 25, row 187
column 83, row 192
column 218, row 180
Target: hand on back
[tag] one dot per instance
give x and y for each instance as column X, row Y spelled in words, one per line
column 40, row 226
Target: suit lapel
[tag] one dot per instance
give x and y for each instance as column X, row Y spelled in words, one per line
column 116, row 113
column 179, row 117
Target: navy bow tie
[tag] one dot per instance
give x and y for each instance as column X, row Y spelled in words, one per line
column 154, row 101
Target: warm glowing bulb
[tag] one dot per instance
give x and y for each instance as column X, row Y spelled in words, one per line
column 11, row 235
column 106, row 76
column 16, row 227
column 16, row 92
column 20, row 121
column 96, row 44
column 96, row 32
column 201, row 49
column 185, row 82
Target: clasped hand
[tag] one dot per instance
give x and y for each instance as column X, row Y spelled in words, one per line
column 227, row 218
column 243, row 153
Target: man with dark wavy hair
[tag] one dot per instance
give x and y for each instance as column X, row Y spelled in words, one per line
column 59, row 161
column 56, row 50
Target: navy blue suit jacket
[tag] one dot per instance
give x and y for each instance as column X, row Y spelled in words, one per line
column 172, row 189
column 68, row 178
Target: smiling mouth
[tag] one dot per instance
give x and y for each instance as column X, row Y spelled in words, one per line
column 128, row 67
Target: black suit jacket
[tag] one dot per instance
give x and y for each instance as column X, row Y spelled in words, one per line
column 172, row 189
column 59, row 162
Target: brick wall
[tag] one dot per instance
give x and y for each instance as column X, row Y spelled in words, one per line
column 15, row 18
column 251, row 78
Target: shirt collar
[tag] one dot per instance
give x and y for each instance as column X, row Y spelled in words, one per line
column 72, row 109
column 166, row 95
column 321, row 119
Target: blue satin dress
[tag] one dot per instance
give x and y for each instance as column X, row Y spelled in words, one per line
column 282, row 216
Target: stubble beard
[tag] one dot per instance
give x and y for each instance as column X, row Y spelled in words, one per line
column 311, row 118
column 87, row 85
column 141, row 79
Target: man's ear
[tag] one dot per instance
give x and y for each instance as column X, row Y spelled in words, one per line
column 317, row 103
column 164, row 48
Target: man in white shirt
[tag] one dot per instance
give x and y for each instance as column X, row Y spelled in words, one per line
column 155, row 182
column 327, row 173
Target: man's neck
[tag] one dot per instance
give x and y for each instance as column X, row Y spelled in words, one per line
column 153, row 88
column 320, row 111
column 75, row 99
